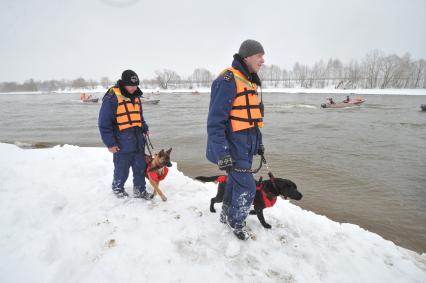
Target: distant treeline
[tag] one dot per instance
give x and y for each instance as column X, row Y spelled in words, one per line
column 375, row 70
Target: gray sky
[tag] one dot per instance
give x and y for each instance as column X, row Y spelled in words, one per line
column 55, row 39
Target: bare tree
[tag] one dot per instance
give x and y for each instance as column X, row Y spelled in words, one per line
column 92, row 83
column 79, row 83
column 165, row 77
column 372, row 68
column 105, row 82
column 419, row 71
column 388, row 67
column 201, row 77
column 271, row 74
column 317, row 75
column 300, row 73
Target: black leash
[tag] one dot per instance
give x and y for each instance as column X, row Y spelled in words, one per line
column 262, row 161
column 240, row 170
column 148, row 144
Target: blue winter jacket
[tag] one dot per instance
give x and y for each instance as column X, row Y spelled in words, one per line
column 221, row 141
column 128, row 140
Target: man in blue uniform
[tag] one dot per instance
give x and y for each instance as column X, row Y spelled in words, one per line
column 122, row 129
column 235, row 116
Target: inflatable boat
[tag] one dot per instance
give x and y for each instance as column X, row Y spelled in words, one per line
column 351, row 103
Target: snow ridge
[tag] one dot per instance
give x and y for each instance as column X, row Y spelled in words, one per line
column 61, row 223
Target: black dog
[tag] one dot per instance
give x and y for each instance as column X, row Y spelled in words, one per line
column 266, row 193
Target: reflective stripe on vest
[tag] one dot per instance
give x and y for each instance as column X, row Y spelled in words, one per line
column 245, row 111
column 128, row 114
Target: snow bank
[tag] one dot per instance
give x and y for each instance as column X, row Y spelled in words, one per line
column 60, row 223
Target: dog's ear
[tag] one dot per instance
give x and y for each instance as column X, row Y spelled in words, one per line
column 161, row 153
column 168, row 151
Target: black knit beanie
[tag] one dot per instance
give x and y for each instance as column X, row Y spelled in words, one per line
column 129, row 77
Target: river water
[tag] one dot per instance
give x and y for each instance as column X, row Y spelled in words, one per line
column 364, row 165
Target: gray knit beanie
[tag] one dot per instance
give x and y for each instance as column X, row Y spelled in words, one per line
column 250, row 47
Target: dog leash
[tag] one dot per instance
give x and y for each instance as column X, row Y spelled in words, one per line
column 148, row 144
column 240, row 170
column 262, row 161
column 272, row 178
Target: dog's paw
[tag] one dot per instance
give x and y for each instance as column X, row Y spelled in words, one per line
column 267, row 226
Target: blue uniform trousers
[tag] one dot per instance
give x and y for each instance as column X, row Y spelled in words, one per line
column 122, row 163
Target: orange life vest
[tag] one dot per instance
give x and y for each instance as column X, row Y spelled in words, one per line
column 245, row 111
column 128, row 115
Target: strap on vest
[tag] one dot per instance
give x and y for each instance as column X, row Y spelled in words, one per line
column 246, row 120
column 124, row 123
column 248, row 108
column 244, row 107
column 131, row 112
column 245, row 92
column 128, row 114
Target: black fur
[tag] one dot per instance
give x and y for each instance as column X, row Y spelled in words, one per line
column 283, row 187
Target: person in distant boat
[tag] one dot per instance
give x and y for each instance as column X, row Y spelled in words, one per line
column 122, row 128
column 84, row 96
column 346, row 100
column 233, row 132
column 331, row 101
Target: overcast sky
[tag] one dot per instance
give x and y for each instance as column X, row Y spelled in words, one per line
column 55, row 39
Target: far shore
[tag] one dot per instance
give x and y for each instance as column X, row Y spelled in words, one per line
column 156, row 91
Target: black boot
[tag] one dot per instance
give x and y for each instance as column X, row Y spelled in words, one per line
column 142, row 194
column 240, row 232
column 120, row 193
column 223, row 214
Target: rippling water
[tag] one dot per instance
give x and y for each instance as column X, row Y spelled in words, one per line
column 363, row 165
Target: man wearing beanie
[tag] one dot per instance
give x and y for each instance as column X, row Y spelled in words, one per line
column 122, row 127
column 233, row 132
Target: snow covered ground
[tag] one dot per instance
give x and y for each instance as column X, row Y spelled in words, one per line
column 60, row 223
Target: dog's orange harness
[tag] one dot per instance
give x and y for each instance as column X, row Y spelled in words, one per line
column 154, row 174
column 268, row 200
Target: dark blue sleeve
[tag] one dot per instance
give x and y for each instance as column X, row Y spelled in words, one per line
column 145, row 127
column 106, row 120
column 222, row 96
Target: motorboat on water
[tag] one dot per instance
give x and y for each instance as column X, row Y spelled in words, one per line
column 345, row 103
column 88, row 98
column 92, row 100
column 150, row 101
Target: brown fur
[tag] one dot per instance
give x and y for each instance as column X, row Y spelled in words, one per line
column 158, row 162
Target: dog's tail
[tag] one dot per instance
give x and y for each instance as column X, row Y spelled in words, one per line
column 207, row 179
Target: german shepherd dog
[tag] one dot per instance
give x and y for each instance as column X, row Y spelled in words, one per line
column 267, row 192
column 157, row 169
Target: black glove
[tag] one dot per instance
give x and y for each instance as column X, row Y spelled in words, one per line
column 261, row 149
column 225, row 163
